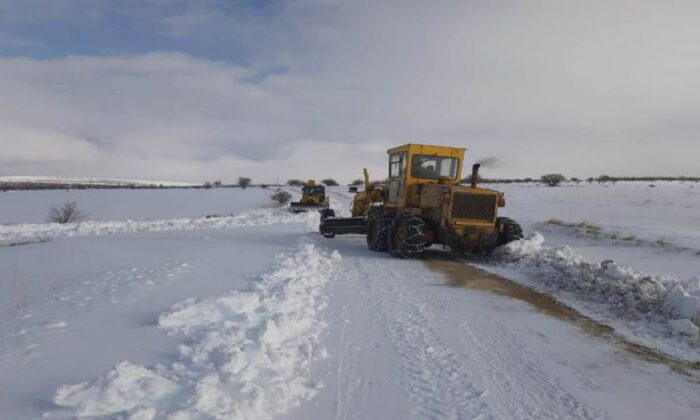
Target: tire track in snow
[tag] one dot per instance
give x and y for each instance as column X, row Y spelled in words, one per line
column 455, row 382
column 341, row 396
column 501, row 356
column 516, row 376
column 435, row 378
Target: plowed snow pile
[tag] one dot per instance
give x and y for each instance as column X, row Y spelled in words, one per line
column 246, row 354
column 39, row 231
column 649, row 307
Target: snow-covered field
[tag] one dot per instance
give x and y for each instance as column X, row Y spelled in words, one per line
column 253, row 315
column 125, row 204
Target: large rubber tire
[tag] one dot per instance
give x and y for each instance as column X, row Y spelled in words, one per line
column 509, row 231
column 408, row 237
column 326, row 213
column 379, row 221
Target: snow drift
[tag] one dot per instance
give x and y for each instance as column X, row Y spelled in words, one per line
column 42, row 231
column 246, row 354
column 670, row 306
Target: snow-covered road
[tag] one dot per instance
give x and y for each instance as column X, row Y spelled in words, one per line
column 256, row 316
column 403, row 344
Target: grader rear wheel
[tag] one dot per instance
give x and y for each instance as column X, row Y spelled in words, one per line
column 408, row 237
column 509, row 231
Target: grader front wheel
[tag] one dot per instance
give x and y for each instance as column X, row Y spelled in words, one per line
column 408, row 237
column 379, row 222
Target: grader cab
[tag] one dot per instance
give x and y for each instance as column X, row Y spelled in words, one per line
column 423, row 203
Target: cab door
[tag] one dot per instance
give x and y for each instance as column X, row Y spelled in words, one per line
column 397, row 179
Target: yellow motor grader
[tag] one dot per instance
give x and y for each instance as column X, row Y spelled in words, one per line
column 423, row 203
column 313, row 197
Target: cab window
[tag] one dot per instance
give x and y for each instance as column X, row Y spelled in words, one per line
column 315, row 190
column 434, row 167
column 395, row 165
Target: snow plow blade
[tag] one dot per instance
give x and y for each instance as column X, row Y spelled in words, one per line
column 304, row 207
column 332, row 226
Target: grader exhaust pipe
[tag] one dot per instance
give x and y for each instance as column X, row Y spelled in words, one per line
column 475, row 174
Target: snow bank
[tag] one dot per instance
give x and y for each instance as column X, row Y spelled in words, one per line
column 127, row 386
column 670, row 304
column 96, row 181
column 247, row 354
column 43, row 231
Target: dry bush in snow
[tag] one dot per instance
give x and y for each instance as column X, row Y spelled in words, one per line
column 244, row 182
column 553, row 179
column 67, row 213
column 281, row 197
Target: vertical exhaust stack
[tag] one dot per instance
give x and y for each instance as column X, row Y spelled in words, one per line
column 475, row 174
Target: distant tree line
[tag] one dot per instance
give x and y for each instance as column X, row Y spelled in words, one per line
column 28, row 186
column 245, row 182
column 20, row 186
column 608, row 178
column 559, row 178
column 329, row 182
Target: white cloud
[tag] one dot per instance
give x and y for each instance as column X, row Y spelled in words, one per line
column 25, row 145
column 582, row 88
column 161, row 114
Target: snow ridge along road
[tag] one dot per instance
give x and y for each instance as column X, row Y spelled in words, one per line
column 246, row 354
column 435, row 378
column 42, row 231
column 657, row 311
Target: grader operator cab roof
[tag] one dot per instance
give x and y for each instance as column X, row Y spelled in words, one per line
column 429, row 149
column 427, row 164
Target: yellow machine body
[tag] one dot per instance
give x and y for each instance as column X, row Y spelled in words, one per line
column 313, row 197
column 422, row 203
column 363, row 199
column 425, row 180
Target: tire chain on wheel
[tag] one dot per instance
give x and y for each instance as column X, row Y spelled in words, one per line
column 511, row 231
column 415, row 240
column 381, row 242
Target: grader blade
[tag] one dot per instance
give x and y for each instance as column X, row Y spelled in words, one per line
column 332, row 226
column 298, row 207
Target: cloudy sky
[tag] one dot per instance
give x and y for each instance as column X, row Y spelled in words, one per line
column 216, row 89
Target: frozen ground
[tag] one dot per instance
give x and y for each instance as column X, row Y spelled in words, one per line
column 255, row 316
